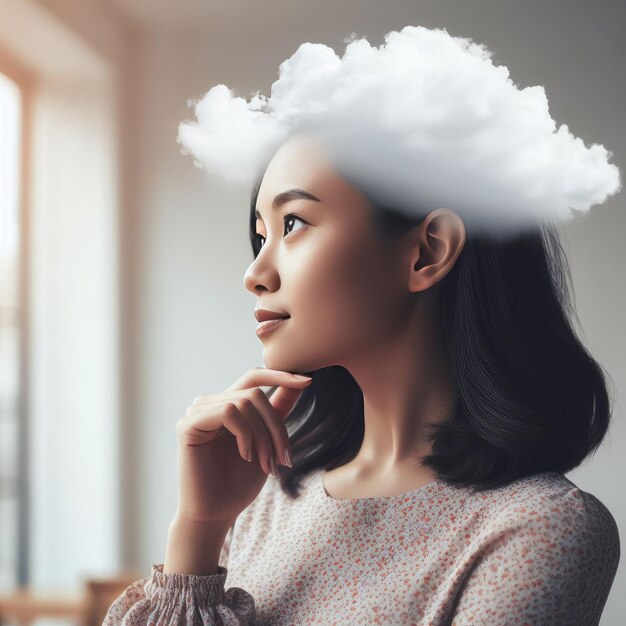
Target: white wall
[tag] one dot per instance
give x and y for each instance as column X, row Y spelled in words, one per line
column 74, row 337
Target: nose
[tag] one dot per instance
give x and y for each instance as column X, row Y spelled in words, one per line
column 260, row 276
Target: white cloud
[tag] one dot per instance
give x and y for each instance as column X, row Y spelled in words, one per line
column 426, row 120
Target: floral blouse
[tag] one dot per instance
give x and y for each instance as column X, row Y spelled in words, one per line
column 536, row 551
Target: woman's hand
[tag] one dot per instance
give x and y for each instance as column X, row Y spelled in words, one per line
column 215, row 481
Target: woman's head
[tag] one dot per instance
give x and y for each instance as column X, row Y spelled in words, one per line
column 347, row 284
column 529, row 396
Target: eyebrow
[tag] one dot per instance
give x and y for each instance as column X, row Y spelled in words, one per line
column 286, row 196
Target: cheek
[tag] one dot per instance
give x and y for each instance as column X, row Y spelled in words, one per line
column 338, row 297
column 343, row 295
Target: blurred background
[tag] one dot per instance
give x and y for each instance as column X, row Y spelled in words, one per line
column 122, row 264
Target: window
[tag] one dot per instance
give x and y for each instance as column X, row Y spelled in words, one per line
column 10, row 329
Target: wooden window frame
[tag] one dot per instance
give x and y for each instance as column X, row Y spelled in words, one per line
column 25, row 80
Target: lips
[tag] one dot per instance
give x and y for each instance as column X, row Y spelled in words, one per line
column 263, row 315
column 268, row 325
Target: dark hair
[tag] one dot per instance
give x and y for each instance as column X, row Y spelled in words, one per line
column 531, row 398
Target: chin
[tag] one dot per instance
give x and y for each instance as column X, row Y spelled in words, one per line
column 276, row 359
column 292, row 359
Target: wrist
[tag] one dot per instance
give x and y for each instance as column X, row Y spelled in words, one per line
column 194, row 547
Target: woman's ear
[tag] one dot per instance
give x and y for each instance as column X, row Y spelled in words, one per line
column 435, row 247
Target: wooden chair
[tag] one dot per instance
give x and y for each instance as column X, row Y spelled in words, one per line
column 100, row 594
column 25, row 605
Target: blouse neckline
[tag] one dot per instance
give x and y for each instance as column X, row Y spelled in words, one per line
column 399, row 497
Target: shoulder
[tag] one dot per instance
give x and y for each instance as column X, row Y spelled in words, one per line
column 553, row 513
column 544, row 550
column 550, row 495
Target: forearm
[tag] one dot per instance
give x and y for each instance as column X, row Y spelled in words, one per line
column 194, row 548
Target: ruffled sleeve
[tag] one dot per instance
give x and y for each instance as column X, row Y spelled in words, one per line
column 183, row 600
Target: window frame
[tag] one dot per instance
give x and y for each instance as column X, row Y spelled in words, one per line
column 25, row 80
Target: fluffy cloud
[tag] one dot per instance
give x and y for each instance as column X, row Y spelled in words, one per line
column 426, row 120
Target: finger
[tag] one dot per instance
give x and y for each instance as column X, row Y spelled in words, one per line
column 201, row 399
column 200, row 406
column 283, row 399
column 237, row 424
column 274, row 425
column 194, row 408
column 263, row 377
column 228, row 416
column 261, row 439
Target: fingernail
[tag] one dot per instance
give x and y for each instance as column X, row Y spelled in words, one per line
column 273, row 467
column 302, row 377
column 288, row 458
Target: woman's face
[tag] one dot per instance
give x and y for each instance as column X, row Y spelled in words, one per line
column 323, row 265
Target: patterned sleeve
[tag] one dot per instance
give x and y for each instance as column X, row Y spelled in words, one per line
column 554, row 565
column 183, row 599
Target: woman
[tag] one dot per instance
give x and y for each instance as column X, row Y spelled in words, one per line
column 401, row 327
column 422, row 477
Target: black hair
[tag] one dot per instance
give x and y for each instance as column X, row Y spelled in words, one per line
column 531, row 398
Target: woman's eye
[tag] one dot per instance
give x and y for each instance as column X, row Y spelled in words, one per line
column 295, row 217
column 287, row 218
